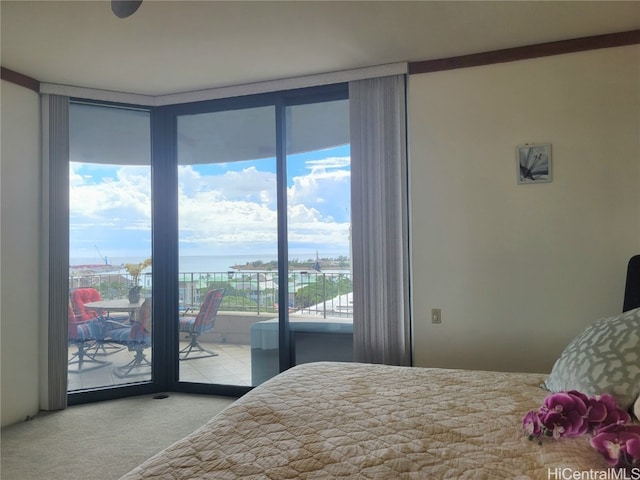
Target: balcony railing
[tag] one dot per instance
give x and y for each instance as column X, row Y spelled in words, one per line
column 311, row 293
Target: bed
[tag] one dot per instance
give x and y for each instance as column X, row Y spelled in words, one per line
column 330, row 420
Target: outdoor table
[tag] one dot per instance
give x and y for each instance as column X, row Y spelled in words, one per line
column 117, row 305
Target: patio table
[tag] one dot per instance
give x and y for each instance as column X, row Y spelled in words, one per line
column 117, row 305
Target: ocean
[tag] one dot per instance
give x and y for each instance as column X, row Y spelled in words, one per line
column 203, row 263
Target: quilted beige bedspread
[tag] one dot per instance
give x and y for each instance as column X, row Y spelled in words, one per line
column 356, row 421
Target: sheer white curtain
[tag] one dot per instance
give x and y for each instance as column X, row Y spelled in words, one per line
column 55, row 250
column 380, row 231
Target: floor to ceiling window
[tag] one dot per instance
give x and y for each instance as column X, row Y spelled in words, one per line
column 109, row 246
column 251, row 215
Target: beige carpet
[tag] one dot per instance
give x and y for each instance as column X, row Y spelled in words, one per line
column 101, row 441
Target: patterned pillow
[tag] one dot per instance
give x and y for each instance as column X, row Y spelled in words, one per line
column 605, row 358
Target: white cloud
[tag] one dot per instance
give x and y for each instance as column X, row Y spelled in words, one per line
column 222, row 214
column 326, row 187
column 330, row 162
column 250, row 184
column 127, row 196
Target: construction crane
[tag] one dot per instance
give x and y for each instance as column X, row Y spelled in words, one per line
column 101, row 256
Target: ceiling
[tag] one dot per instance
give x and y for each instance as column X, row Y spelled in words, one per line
column 178, row 46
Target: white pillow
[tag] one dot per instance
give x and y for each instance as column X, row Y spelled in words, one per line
column 605, row 358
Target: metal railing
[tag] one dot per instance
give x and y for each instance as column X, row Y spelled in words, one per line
column 311, row 293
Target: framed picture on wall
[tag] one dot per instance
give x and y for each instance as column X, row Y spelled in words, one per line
column 534, row 163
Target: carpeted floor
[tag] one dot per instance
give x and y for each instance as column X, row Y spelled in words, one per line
column 101, row 441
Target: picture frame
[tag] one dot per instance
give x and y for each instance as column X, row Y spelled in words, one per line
column 533, row 162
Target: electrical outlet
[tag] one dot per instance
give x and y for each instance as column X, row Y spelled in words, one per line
column 436, row 315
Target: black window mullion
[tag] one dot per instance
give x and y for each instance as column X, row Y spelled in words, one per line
column 164, row 187
column 284, row 342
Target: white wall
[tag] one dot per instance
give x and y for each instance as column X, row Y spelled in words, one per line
column 518, row 270
column 19, row 260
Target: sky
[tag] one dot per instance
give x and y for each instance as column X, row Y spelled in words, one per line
column 224, row 208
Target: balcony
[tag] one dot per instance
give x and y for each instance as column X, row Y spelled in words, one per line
column 245, row 329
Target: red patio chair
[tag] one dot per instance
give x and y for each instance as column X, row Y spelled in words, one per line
column 83, row 334
column 84, row 295
column 202, row 322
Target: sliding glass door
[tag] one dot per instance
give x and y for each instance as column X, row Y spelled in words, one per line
column 228, row 243
column 264, row 218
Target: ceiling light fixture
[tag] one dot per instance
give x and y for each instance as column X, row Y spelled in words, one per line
column 125, row 8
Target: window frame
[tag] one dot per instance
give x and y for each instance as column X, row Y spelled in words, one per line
column 164, row 226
